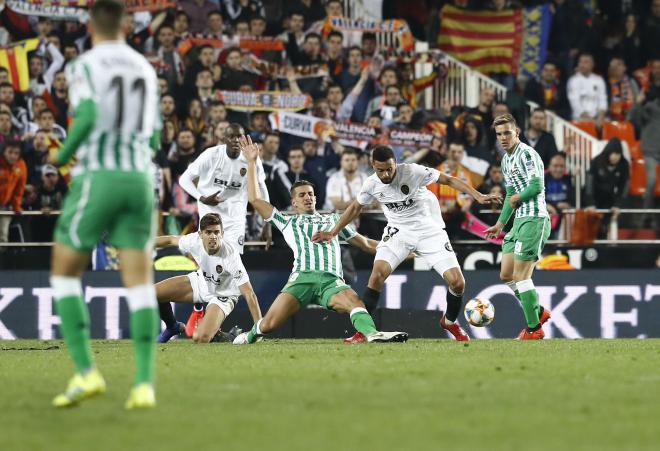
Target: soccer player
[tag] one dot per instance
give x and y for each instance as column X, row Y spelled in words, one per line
column 114, row 93
column 414, row 224
column 317, row 273
column 523, row 174
column 220, row 279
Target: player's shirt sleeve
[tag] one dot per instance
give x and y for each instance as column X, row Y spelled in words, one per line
column 187, row 243
column 261, row 178
column 278, row 219
column 424, row 175
column 347, row 232
column 532, row 165
column 79, row 76
column 365, row 196
column 239, row 274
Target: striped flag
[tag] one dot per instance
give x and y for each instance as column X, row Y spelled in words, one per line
column 511, row 41
column 14, row 59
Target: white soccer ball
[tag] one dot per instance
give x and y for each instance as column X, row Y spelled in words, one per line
column 479, row 312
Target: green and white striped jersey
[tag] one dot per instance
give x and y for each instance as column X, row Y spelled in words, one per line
column 124, row 87
column 518, row 169
column 298, row 231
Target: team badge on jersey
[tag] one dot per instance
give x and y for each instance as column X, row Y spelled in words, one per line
column 243, row 171
column 405, row 189
column 240, row 240
column 219, row 269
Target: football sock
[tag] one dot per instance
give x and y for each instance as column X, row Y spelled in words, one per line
column 167, row 314
column 362, row 321
column 144, row 330
column 454, row 302
column 370, row 299
column 75, row 320
column 514, row 288
column 529, row 299
column 255, row 332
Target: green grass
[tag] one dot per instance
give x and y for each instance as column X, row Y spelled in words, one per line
column 323, row 395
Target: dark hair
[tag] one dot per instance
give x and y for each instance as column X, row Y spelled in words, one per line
column 204, row 69
column 202, row 47
column 348, row 152
column 335, row 33
column 382, row 153
column 46, row 110
column 456, row 143
column 210, row 219
column 354, row 47
column 301, row 183
column 232, row 50
column 12, row 143
column 368, row 36
column 3, row 112
column 3, row 69
column 107, row 16
column 539, row 110
column 313, row 35
column 215, row 12
column 271, row 133
column 180, row 13
column 257, row 17
column 163, row 26
column 295, row 148
column 6, row 84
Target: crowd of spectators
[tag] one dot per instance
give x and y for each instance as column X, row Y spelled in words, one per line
column 603, row 64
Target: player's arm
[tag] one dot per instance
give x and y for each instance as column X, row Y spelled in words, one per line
column 350, row 214
column 534, row 188
column 251, row 152
column 252, row 302
column 82, row 126
column 505, row 215
column 463, row 187
column 364, row 244
column 167, row 241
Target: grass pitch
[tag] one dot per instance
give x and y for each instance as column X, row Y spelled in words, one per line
column 324, row 395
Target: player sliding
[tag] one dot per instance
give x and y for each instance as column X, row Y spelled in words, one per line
column 317, row 276
column 523, row 174
column 414, row 224
column 114, row 93
column 220, row 279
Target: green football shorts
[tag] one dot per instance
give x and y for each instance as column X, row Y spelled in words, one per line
column 119, row 203
column 314, row 287
column 527, row 238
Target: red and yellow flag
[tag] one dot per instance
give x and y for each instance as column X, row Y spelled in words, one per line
column 14, row 59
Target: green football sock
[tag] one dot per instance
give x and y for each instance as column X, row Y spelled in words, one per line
column 144, row 330
column 529, row 300
column 254, row 333
column 75, row 330
column 362, row 321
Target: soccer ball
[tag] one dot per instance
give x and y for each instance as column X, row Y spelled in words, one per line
column 479, row 312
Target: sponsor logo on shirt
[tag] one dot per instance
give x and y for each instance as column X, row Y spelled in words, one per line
column 400, row 206
column 227, row 183
column 212, row 278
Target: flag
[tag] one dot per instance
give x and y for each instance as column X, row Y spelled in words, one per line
column 14, row 59
column 511, row 41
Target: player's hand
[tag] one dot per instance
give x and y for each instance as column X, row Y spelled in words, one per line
column 493, row 199
column 52, row 159
column 211, row 200
column 249, row 149
column 514, row 201
column 322, row 236
column 494, row 231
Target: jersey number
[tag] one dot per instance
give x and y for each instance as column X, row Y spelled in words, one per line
column 137, row 87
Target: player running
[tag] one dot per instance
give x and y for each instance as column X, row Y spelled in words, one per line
column 114, row 93
column 525, row 193
column 317, row 276
column 414, row 224
column 219, row 281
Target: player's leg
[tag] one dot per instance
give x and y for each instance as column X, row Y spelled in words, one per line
column 209, row 325
column 285, row 306
column 177, row 289
column 391, row 251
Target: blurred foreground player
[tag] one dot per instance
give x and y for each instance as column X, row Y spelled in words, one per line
column 317, row 276
column 414, row 224
column 219, row 281
column 523, row 174
column 114, row 93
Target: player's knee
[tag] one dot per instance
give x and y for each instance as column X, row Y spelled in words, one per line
column 378, row 276
column 266, row 325
column 202, row 338
column 457, row 285
column 506, row 276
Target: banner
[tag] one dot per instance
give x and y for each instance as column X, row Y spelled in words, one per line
column 69, row 10
column 511, row 41
column 264, row 100
column 277, row 70
column 14, row 59
column 261, row 43
column 395, row 26
column 149, row 5
column 197, row 40
column 584, row 304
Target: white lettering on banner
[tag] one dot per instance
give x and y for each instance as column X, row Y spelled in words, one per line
column 438, row 299
column 470, row 263
column 46, row 319
column 609, row 316
column 650, row 290
column 7, row 295
column 559, row 320
column 393, row 290
column 112, row 297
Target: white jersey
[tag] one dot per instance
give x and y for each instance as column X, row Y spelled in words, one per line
column 406, row 202
column 124, row 87
column 217, row 172
column 222, row 273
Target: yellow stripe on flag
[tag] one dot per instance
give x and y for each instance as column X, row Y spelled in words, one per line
column 448, row 23
column 455, row 40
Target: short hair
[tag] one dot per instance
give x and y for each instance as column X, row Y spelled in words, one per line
column 12, row 143
column 457, row 143
column 382, row 153
column 180, row 13
column 355, row 48
column 204, row 46
column 46, row 110
column 504, row 119
column 233, row 50
column 335, row 33
column 210, row 219
column 107, row 16
column 215, row 103
column 539, row 110
column 6, row 84
column 295, row 149
column 3, row 69
column 368, row 36
column 5, row 113
column 348, row 152
column 215, row 12
column 300, row 183
column 271, row 133
column 257, row 17
column 313, row 35
column 204, row 69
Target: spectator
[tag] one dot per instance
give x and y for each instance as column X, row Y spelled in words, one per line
column 622, row 90
column 6, row 130
column 472, row 133
column 184, row 153
column 71, row 52
column 311, row 53
column 244, row 9
column 259, row 126
column 344, row 185
column 13, row 177
column 197, row 11
column 46, row 122
column 412, row 88
column 168, row 111
column 36, row 156
column 388, row 77
column 586, row 92
column 548, row 91
column 257, row 26
column 135, row 39
column 195, row 118
column 295, row 31
column 173, row 64
column 494, row 178
column 217, row 112
column 297, row 170
column 19, row 115
column 49, row 197
column 204, row 61
column 646, row 116
column 215, row 26
column 316, row 165
column 559, row 191
column 484, row 111
column 181, row 26
column 651, row 33
column 204, row 87
column 233, row 75
column 241, row 28
column 631, row 45
column 41, row 79
column 60, row 95
column 607, row 180
column 386, row 105
column 537, row 137
column 342, row 108
column 349, row 77
column 369, row 44
column 333, row 53
column 311, row 10
column 276, row 181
